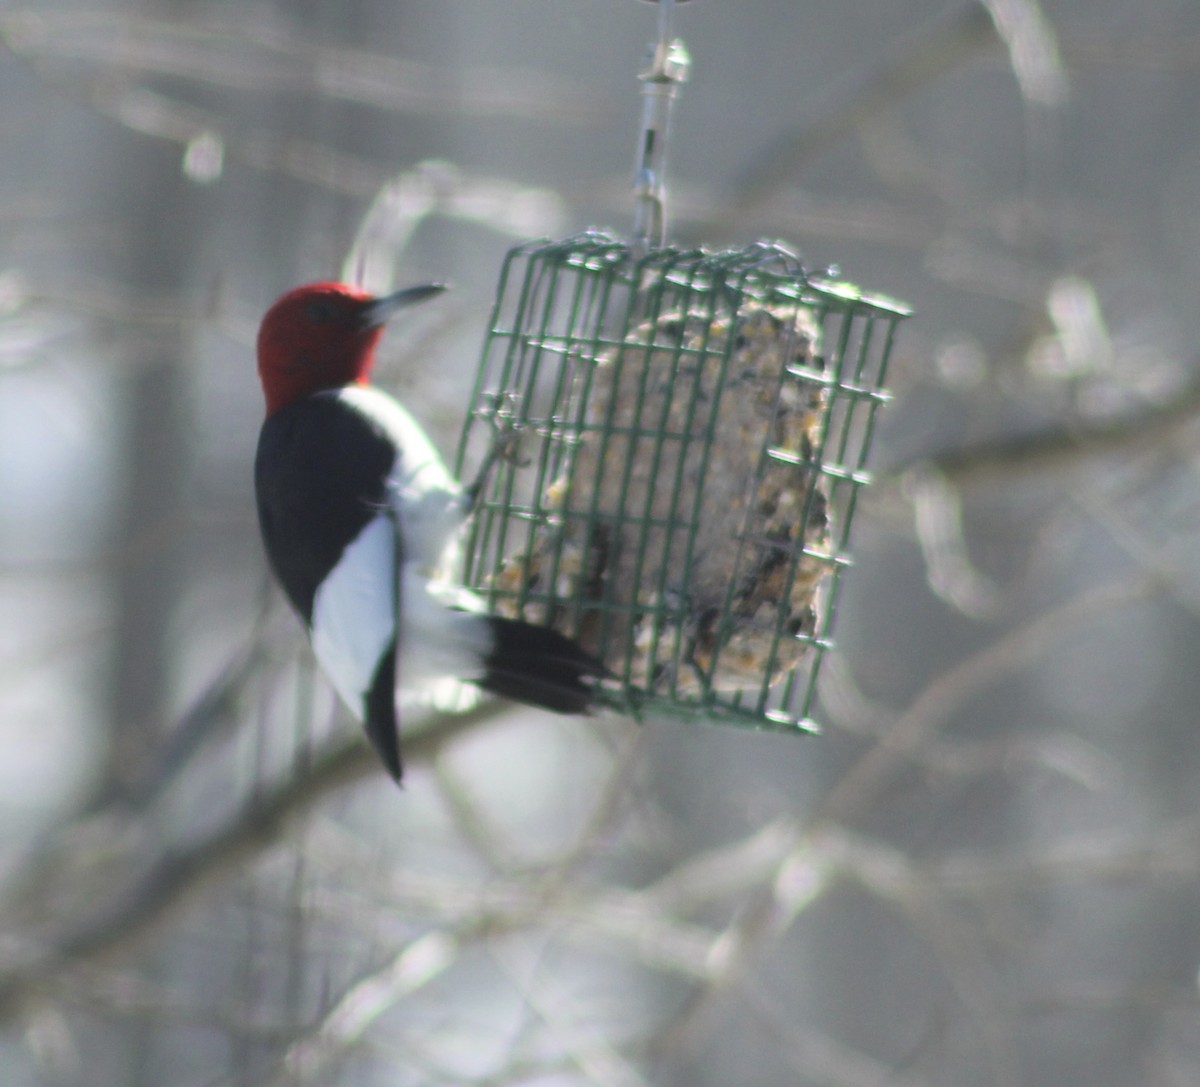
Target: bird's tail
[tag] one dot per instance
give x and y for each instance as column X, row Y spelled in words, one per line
column 541, row 667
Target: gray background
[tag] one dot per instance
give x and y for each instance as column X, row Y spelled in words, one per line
column 985, row 872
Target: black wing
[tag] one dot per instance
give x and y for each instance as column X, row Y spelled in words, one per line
column 321, row 475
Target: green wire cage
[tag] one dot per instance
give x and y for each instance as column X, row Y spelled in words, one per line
column 685, row 434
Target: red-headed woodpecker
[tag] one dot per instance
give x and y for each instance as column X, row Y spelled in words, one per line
column 360, row 519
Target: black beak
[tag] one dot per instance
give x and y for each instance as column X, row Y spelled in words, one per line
column 381, row 310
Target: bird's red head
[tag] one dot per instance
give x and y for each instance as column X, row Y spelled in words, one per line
column 323, row 336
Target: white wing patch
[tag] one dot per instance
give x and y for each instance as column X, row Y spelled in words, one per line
column 354, row 623
column 441, row 641
column 354, row 617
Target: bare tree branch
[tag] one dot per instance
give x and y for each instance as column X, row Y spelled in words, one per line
column 171, row 881
column 1055, row 449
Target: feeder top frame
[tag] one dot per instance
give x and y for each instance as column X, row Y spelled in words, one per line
column 767, row 271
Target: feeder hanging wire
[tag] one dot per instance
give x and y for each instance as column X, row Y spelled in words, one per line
column 667, row 70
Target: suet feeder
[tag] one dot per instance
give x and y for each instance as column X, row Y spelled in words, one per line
column 684, row 435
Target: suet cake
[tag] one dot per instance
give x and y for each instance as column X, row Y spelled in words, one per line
column 687, row 540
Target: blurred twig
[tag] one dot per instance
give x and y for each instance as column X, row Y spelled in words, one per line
column 925, row 61
column 170, row 880
column 860, row 786
column 818, row 856
column 250, row 55
column 1063, row 447
column 1032, row 49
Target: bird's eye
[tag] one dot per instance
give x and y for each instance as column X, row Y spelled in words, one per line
column 320, row 310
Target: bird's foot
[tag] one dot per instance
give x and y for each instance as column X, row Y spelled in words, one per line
column 505, row 444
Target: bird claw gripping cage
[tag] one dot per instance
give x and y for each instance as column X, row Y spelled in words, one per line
column 672, row 442
column 682, row 436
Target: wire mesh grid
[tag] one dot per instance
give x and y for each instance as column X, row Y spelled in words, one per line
column 683, row 436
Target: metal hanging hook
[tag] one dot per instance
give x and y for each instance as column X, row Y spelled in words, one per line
column 668, row 68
